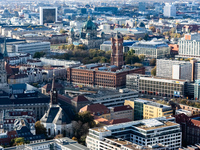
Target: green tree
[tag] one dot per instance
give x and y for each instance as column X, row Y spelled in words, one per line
column 152, row 28
column 38, row 54
column 70, row 47
column 86, row 117
column 62, row 31
column 153, row 71
column 138, row 64
column 131, row 59
column 127, row 38
column 139, row 39
column 17, row 141
column 141, row 57
column 173, row 30
column 40, row 129
column 131, row 52
column 183, row 101
column 103, row 60
column 152, row 62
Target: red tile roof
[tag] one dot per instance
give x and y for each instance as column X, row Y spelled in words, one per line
column 64, row 98
column 80, row 98
column 96, row 109
column 18, row 76
column 48, row 86
column 116, row 121
column 122, row 108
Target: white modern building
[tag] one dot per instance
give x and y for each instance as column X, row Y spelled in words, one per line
column 58, row 62
column 182, row 71
column 143, row 133
column 174, row 69
column 57, row 144
column 151, row 49
column 169, row 10
column 189, row 46
column 48, row 15
column 31, row 48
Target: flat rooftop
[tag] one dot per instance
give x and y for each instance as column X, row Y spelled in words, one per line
column 156, row 125
column 152, row 103
column 164, row 79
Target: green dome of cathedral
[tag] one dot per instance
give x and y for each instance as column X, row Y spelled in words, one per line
column 89, row 25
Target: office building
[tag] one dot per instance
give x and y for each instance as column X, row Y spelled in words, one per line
column 151, row 49
column 48, row 15
column 147, row 132
column 58, row 62
column 197, row 90
column 162, row 86
column 144, row 109
column 61, row 143
column 100, row 75
column 175, row 69
column 132, row 81
column 112, row 98
column 182, row 71
column 159, row 86
column 189, row 46
column 31, row 48
column 106, row 46
column 169, row 10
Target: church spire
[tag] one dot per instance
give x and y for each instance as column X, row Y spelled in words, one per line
column 5, row 54
column 53, row 92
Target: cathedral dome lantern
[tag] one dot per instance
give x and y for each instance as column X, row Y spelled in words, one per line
column 89, row 25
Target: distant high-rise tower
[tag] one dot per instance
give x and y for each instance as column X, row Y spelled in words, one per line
column 117, row 50
column 48, row 15
column 142, row 6
column 169, row 10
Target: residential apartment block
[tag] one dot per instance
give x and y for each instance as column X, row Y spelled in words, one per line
column 144, row 109
column 142, row 133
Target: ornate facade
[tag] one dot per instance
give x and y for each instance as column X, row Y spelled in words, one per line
column 88, row 36
column 56, row 120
